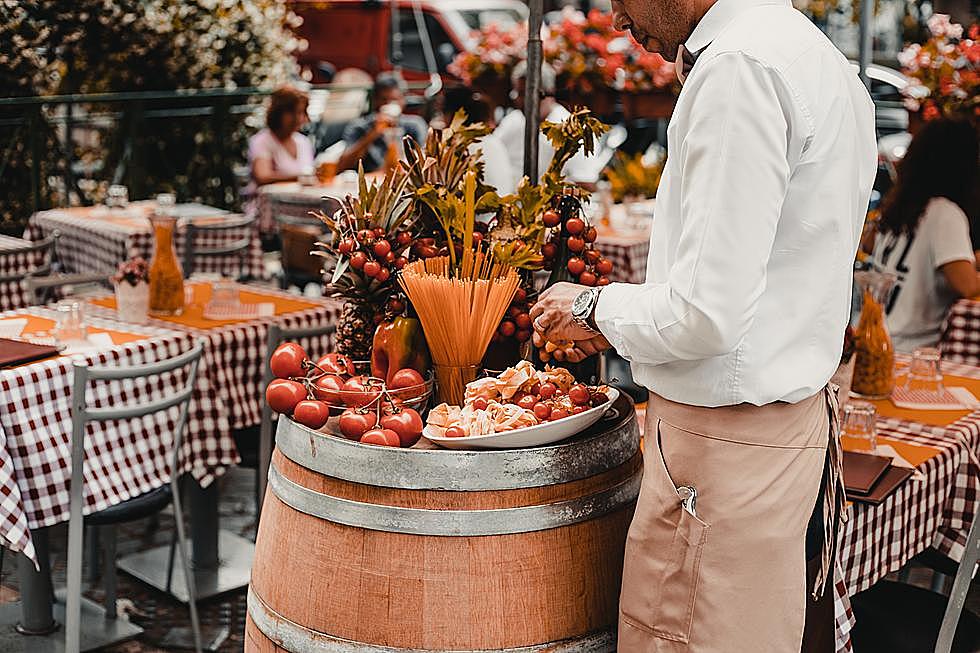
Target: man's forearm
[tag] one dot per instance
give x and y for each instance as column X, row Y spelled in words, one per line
column 353, row 154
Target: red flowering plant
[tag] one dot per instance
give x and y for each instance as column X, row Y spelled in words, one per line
column 588, row 53
column 494, row 54
column 943, row 72
column 134, row 271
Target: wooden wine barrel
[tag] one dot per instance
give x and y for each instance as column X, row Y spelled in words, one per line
column 371, row 549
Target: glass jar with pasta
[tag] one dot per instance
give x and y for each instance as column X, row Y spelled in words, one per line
column 874, row 366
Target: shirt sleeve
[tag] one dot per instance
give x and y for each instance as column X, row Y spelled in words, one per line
column 949, row 233
column 259, row 147
column 735, row 172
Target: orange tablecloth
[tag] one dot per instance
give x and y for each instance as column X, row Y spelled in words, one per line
column 193, row 315
column 932, row 417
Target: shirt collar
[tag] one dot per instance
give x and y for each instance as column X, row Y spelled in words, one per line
column 718, row 16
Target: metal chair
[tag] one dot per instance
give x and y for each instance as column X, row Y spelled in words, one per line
column 263, row 458
column 240, row 246
column 900, row 618
column 42, row 288
column 298, row 237
column 136, row 508
column 42, row 248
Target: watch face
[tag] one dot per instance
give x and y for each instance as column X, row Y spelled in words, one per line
column 582, row 303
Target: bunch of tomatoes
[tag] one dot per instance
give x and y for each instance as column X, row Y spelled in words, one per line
column 516, row 322
column 585, row 265
column 370, row 410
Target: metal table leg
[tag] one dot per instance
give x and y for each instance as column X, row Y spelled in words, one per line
column 222, row 560
column 36, row 598
column 34, row 624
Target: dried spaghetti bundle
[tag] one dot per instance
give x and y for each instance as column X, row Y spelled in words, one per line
column 460, row 309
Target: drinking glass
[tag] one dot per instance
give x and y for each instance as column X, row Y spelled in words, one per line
column 224, row 293
column 925, row 373
column 858, row 427
column 70, row 322
column 117, row 196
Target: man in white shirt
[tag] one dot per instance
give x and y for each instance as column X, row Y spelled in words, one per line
column 738, row 328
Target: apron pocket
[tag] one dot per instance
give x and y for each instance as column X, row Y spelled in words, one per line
column 663, row 557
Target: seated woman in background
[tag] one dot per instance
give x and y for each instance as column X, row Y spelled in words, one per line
column 279, row 152
column 924, row 233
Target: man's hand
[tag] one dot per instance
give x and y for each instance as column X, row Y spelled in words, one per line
column 551, row 316
column 579, row 351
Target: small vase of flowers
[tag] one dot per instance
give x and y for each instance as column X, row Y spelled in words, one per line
column 132, row 284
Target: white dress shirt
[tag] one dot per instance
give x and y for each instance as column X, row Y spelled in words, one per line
column 772, row 155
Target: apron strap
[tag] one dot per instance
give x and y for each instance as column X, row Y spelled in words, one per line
column 834, row 497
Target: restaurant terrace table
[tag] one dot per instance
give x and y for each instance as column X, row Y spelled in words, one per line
column 35, row 433
column 124, row 458
column 628, row 250
column 16, row 262
column 960, row 341
column 95, row 239
column 295, row 200
column 234, row 354
column 933, row 512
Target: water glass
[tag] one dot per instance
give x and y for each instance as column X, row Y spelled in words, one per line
column 70, row 325
column 224, row 293
column 117, row 196
column 925, row 373
column 858, row 427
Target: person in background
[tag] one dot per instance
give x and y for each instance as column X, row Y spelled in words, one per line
column 924, row 233
column 510, row 131
column 365, row 137
column 279, row 152
column 497, row 169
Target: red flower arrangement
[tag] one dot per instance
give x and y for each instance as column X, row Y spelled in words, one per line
column 943, row 72
column 588, row 53
column 495, row 54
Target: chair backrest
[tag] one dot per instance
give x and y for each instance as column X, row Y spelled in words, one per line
column 961, row 587
column 299, row 237
column 82, row 413
column 238, row 246
column 42, row 288
column 41, row 249
column 277, row 335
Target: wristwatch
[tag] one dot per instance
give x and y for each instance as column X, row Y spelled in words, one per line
column 583, row 309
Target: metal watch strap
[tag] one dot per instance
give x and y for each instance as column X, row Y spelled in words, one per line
column 587, row 322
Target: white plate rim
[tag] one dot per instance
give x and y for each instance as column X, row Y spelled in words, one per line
column 612, row 393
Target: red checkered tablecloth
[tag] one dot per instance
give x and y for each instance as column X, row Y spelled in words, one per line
column 96, row 239
column 960, row 341
column 14, row 262
column 628, row 253
column 124, row 458
column 936, row 511
column 35, row 425
column 294, row 200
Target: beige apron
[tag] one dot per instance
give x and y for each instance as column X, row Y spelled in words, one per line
column 731, row 577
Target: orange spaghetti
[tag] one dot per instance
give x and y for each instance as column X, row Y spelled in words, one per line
column 459, row 310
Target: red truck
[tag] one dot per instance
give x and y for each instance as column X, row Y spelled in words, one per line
column 363, row 33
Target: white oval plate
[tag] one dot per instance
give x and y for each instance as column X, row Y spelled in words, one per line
column 530, row 436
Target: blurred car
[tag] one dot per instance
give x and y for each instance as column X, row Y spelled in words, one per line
column 891, row 116
column 361, row 34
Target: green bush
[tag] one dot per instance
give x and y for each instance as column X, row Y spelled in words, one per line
column 53, row 47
